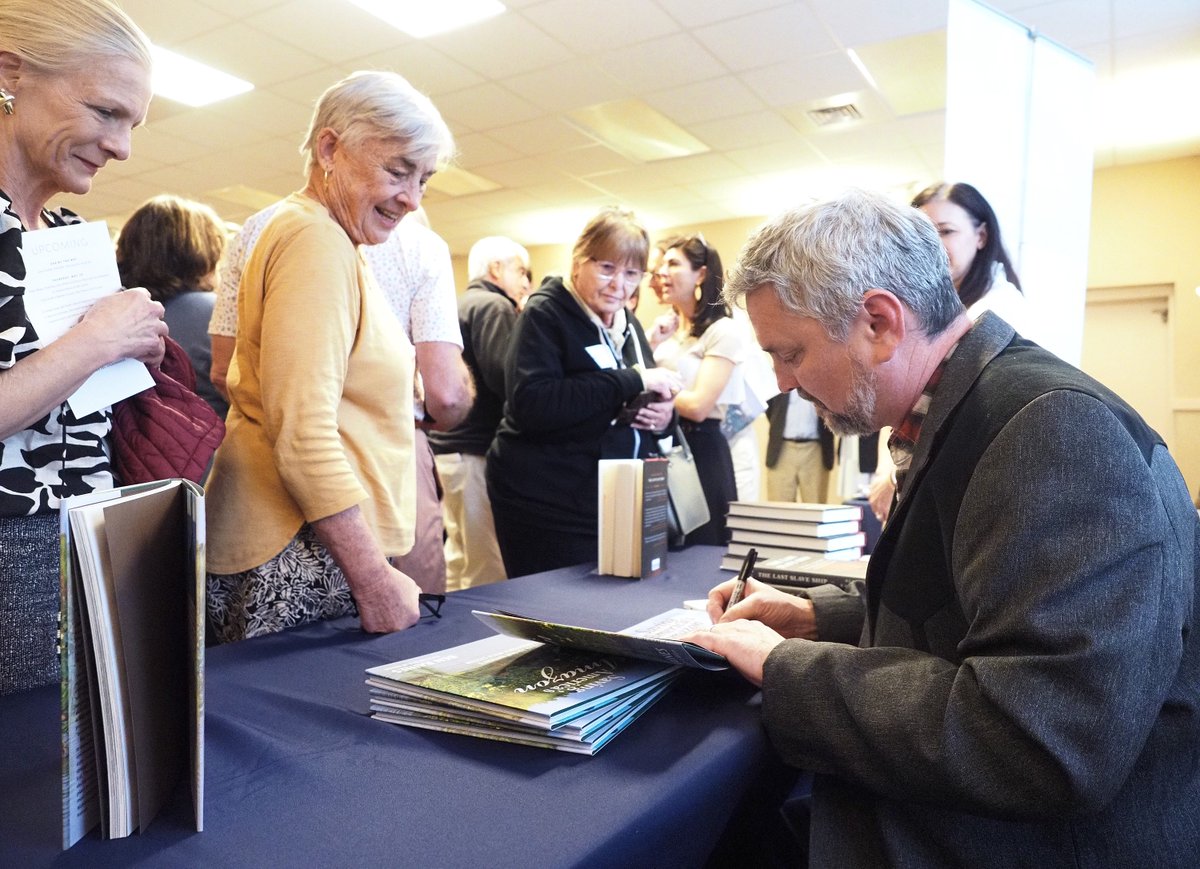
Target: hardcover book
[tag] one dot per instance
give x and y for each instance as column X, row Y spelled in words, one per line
column 795, row 512
column 632, row 533
column 132, row 655
column 806, row 571
column 740, row 525
column 779, row 545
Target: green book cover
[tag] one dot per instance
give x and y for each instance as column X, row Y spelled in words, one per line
column 518, row 680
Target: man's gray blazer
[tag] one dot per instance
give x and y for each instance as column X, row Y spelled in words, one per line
column 1027, row 687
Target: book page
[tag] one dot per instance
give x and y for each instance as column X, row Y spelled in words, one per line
column 67, row 268
column 87, row 527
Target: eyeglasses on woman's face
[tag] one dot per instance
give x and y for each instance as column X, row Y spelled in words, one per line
column 609, row 271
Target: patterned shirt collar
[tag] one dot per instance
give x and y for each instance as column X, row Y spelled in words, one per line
column 903, row 441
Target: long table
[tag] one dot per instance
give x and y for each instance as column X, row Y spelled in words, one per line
column 299, row 774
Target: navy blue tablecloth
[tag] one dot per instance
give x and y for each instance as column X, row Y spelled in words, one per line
column 299, row 774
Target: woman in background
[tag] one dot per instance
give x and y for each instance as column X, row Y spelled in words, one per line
column 576, row 356
column 709, row 350
column 313, row 488
column 981, row 271
column 171, row 246
column 980, row 267
column 74, row 82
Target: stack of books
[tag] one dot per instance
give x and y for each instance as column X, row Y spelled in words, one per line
column 541, row 683
column 778, row 528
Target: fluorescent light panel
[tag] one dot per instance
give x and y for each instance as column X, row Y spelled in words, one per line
column 190, row 82
column 633, row 129
column 421, row 18
column 454, row 181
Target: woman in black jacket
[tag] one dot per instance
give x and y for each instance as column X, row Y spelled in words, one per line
column 575, row 359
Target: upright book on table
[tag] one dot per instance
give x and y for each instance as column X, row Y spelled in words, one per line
column 632, row 511
column 132, row 655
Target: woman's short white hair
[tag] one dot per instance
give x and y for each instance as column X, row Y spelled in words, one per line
column 56, row 36
column 374, row 104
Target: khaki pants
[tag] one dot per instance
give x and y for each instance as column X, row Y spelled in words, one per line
column 425, row 562
column 472, row 554
column 799, row 475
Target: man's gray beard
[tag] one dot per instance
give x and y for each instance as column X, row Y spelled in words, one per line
column 858, row 418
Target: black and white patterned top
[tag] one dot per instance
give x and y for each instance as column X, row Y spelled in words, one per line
column 58, row 455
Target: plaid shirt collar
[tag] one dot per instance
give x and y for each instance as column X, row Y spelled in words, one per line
column 903, row 441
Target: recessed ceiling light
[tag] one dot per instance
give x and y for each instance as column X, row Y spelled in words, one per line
column 421, row 18
column 632, row 128
column 190, row 82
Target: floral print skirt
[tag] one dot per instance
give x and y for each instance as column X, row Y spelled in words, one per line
column 299, row 585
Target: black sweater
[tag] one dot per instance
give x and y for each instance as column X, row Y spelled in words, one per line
column 558, row 418
column 486, row 317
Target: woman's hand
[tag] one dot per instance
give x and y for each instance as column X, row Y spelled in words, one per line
column 786, row 614
column 125, row 325
column 386, row 598
column 665, row 325
column 664, row 381
column 880, row 496
column 387, row 602
column 655, row 416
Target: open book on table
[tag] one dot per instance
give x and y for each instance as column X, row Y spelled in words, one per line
column 651, row 640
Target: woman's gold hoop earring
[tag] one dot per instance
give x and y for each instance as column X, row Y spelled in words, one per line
column 6, row 100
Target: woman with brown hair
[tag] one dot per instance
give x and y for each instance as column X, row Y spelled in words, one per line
column 576, row 357
column 171, row 246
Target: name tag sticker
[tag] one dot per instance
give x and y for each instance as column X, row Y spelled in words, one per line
column 602, row 356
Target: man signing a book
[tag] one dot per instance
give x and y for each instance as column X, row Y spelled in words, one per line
column 1018, row 682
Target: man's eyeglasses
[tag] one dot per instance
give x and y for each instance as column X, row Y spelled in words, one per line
column 432, row 603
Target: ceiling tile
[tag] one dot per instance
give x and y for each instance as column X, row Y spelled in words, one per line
column 566, row 86
column 697, row 13
column 483, row 106
column 860, row 21
column 541, row 136
column 1137, row 17
column 1070, row 22
column 169, row 23
column 429, row 70
column 805, row 78
column 477, row 150
column 765, row 38
column 249, row 53
column 707, row 100
column 591, row 160
column 586, row 27
column 727, row 134
column 351, row 32
column 671, row 60
column 508, row 43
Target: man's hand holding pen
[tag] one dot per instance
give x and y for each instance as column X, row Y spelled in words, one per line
column 746, row 631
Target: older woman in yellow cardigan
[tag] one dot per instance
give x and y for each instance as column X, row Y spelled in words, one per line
column 313, row 489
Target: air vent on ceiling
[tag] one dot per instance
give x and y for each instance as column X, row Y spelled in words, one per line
column 835, row 115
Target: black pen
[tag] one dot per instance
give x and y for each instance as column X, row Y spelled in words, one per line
column 739, row 587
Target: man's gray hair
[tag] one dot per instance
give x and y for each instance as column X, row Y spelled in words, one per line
column 489, row 250
column 820, row 260
column 372, row 104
